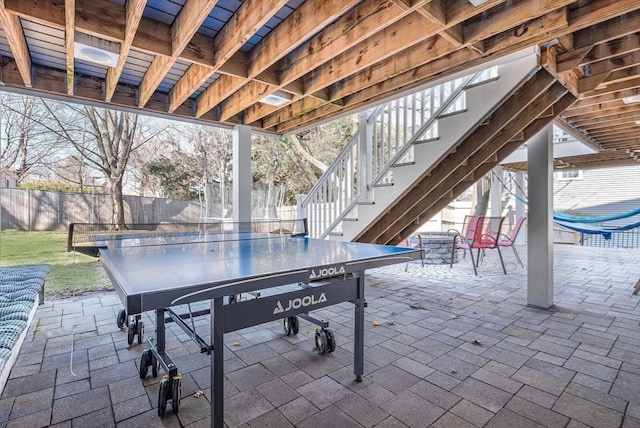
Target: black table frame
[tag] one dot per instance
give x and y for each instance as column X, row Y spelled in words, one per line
column 227, row 317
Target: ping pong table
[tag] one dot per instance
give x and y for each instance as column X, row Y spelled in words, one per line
column 293, row 274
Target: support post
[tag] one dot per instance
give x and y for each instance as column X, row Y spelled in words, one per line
column 217, row 365
column 241, row 173
column 496, row 192
column 364, row 156
column 540, row 224
column 520, row 239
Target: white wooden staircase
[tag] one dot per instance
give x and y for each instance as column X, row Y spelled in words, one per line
column 410, row 157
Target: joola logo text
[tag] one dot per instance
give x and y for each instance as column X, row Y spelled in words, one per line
column 300, row 302
column 325, row 272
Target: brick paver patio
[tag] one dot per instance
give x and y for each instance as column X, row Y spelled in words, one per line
column 444, row 348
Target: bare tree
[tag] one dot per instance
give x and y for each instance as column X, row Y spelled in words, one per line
column 26, row 144
column 105, row 140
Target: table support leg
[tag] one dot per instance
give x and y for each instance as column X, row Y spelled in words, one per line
column 217, row 363
column 358, row 343
column 160, row 334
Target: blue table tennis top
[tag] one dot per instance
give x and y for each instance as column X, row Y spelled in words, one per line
column 156, row 265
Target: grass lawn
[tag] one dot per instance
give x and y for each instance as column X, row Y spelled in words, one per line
column 71, row 273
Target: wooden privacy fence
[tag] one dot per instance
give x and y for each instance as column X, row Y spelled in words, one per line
column 53, row 211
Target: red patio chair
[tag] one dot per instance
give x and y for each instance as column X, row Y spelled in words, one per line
column 489, row 238
column 471, row 225
column 509, row 241
column 486, row 236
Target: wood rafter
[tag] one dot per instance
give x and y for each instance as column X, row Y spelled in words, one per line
column 314, row 14
column 332, row 57
column 191, row 16
column 133, row 15
column 247, row 20
column 17, row 43
column 69, row 38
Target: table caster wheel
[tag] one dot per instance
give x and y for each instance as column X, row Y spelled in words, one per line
column 163, row 395
column 331, row 340
column 290, row 325
column 131, row 333
column 140, row 332
column 146, row 360
column 176, row 390
column 321, row 341
column 121, row 319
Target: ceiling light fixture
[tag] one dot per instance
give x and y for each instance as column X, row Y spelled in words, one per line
column 477, row 3
column 632, row 99
column 95, row 50
column 276, row 98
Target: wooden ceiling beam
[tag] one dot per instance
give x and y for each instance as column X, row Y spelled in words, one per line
column 408, row 59
column 459, row 10
column 309, row 18
column 106, row 20
column 133, row 15
column 535, row 34
column 614, row 119
column 17, row 43
column 606, row 98
column 211, row 96
column 248, row 19
column 389, row 41
column 188, row 21
column 69, row 38
column 614, row 129
column 612, row 64
column 613, row 48
column 432, row 25
column 508, row 15
column 596, row 29
column 572, row 59
column 612, row 88
column 614, row 75
column 606, row 113
column 537, row 30
column 351, row 29
column 595, row 108
column 379, row 87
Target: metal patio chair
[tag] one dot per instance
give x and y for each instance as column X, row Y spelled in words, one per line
column 509, row 241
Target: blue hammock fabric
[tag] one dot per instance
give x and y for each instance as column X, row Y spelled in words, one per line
column 560, row 217
column 590, row 229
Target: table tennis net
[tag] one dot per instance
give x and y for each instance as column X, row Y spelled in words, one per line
column 83, row 237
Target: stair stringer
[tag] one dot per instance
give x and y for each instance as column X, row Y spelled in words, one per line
column 534, row 105
column 481, row 99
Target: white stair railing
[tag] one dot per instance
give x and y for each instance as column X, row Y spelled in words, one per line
column 394, row 128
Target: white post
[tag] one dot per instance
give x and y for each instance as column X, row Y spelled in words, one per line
column 521, row 197
column 241, row 173
column 364, row 156
column 301, row 212
column 540, row 236
column 496, row 192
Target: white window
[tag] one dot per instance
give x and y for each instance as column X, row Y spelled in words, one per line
column 570, row 174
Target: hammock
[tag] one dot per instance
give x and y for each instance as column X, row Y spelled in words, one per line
column 560, row 217
column 591, row 229
column 584, row 224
